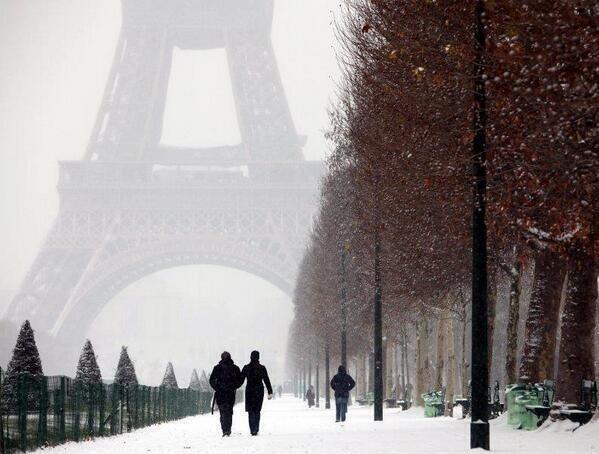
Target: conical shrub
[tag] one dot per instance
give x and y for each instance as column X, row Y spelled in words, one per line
column 204, row 382
column 88, row 371
column 194, row 381
column 125, row 371
column 169, row 380
column 25, row 360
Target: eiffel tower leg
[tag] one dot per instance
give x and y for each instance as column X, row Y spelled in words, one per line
column 264, row 117
column 48, row 285
column 130, row 118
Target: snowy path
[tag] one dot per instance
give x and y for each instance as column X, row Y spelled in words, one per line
column 289, row 427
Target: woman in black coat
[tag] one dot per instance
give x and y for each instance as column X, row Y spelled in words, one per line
column 256, row 374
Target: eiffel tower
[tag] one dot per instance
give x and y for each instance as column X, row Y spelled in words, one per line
column 133, row 206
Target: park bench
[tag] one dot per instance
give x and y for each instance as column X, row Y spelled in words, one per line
column 583, row 412
column 529, row 406
column 391, row 402
column 464, row 402
column 403, row 404
column 495, row 407
column 366, row 400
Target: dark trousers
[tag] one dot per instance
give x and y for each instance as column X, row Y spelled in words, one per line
column 254, row 420
column 226, row 417
column 341, row 408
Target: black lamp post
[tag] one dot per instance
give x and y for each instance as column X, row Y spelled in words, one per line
column 479, row 426
column 378, row 331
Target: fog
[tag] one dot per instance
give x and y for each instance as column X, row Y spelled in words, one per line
column 56, row 57
column 195, row 314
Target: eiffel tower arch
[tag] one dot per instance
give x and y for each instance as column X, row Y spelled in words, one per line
column 133, row 206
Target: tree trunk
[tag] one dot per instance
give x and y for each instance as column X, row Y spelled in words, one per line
column 317, row 381
column 576, row 353
column 542, row 321
column 491, row 313
column 371, row 372
column 395, row 369
column 388, row 368
column 356, row 367
column 427, row 343
column 327, row 376
column 440, row 363
column 465, row 363
column 408, row 387
column 511, row 359
column 295, row 385
column 402, row 367
column 420, row 354
column 451, row 362
column 363, row 383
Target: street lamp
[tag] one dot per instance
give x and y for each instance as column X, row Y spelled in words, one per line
column 479, row 426
column 378, row 329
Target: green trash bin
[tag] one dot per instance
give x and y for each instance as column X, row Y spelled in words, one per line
column 370, row 398
column 513, row 410
column 528, row 420
column 433, row 404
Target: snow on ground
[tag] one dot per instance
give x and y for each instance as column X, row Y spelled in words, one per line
column 288, row 426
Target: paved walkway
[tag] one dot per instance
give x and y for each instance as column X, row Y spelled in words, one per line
column 288, row 426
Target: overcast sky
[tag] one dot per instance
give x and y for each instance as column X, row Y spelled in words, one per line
column 55, row 56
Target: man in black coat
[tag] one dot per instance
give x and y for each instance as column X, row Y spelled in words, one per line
column 342, row 383
column 256, row 374
column 225, row 379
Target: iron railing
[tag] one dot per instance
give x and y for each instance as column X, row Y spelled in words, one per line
column 46, row 411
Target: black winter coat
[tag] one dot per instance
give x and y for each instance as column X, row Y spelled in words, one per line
column 256, row 374
column 342, row 383
column 225, row 379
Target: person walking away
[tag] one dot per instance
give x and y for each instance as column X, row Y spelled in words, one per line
column 280, row 391
column 257, row 377
column 342, row 384
column 225, row 379
column 310, row 396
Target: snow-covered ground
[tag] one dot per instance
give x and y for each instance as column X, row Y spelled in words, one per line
column 289, row 427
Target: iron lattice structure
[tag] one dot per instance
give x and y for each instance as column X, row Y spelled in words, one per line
column 133, row 206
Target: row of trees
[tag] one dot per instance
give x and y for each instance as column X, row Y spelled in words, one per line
column 26, row 359
column 394, row 220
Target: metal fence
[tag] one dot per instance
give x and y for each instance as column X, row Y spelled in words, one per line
column 45, row 411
